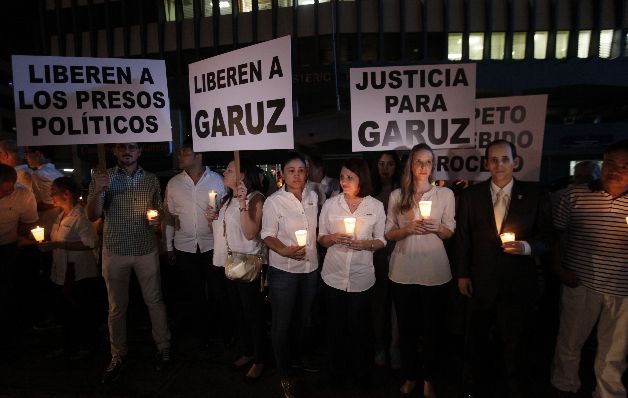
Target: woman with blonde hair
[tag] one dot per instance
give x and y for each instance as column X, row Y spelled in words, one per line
column 419, row 267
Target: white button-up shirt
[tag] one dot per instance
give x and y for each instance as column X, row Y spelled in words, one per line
column 343, row 268
column 42, row 179
column 188, row 201
column 72, row 228
column 421, row 259
column 18, row 207
column 283, row 216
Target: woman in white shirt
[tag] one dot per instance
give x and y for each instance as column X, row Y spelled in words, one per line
column 348, row 270
column 74, row 268
column 237, row 228
column 292, row 275
column 419, row 267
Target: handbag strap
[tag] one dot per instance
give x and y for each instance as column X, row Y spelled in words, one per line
column 224, row 223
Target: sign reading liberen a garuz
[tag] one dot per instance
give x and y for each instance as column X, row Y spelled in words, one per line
column 398, row 107
column 243, row 99
column 520, row 120
column 75, row 100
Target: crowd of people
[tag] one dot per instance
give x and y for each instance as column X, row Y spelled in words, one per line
column 380, row 249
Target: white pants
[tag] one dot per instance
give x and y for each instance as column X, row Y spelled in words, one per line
column 581, row 308
column 117, row 272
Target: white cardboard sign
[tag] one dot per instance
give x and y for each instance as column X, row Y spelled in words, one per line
column 243, row 99
column 78, row 100
column 397, row 107
column 520, row 120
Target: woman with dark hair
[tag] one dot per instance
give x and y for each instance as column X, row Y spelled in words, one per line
column 74, row 270
column 351, row 226
column 237, row 228
column 419, row 267
column 386, row 178
column 289, row 230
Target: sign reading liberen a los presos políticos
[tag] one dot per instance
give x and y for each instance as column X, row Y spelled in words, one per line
column 243, row 99
column 398, row 107
column 76, row 100
column 520, row 120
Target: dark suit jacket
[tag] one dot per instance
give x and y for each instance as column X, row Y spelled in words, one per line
column 478, row 253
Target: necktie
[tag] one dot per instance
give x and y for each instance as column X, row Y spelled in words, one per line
column 499, row 208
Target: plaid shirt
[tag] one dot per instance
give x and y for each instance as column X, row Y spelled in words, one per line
column 126, row 230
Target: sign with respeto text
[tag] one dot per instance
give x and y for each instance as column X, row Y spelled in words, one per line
column 243, row 99
column 398, row 107
column 77, row 100
column 519, row 120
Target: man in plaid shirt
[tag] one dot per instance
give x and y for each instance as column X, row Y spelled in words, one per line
column 124, row 194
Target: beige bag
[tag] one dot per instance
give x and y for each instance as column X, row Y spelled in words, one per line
column 241, row 267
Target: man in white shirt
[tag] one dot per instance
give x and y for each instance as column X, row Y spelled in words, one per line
column 18, row 211
column 189, row 239
column 44, row 173
column 9, row 155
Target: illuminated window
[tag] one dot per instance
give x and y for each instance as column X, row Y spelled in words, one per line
column 498, row 44
column 562, row 43
column 540, row 45
column 170, row 11
column 519, row 45
column 584, row 39
column 476, row 46
column 454, row 47
column 606, row 40
column 308, row 2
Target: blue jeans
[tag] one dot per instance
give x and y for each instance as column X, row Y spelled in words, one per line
column 287, row 291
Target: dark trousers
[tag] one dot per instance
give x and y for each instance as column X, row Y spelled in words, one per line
column 80, row 309
column 507, row 317
column 7, row 291
column 289, row 293
column 420, row 312
column 248, row 306
column 192, row 303
column 348, row 332
column 381, row 301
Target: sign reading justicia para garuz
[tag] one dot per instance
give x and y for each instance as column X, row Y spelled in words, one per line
column 398, row 107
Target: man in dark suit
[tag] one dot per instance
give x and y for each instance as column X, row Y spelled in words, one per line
column 500, row 278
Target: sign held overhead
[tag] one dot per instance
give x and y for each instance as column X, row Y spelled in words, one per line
column 76, row 100
column 243, row 99
column 398, row 107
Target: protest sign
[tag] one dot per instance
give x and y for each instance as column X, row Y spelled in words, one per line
column 520, row 120
column 398, row 107
column 243, row 99
column 74, row 100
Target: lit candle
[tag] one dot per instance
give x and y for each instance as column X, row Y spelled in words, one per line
column 350, row 225
column 507, row 237
column 38, row 234
column 425, row 207
column 151, row 214
column 212, row 198
column 301, row 237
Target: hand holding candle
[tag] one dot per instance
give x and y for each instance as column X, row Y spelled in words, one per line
column 38, row 234
column 301, row 237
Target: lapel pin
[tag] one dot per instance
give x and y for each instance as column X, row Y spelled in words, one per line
column 519, row 197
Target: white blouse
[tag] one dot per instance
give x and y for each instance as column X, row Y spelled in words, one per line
column 237, row 241
column 343, row 268
column 72, row 228
column 283, row 216
column 421, row 259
